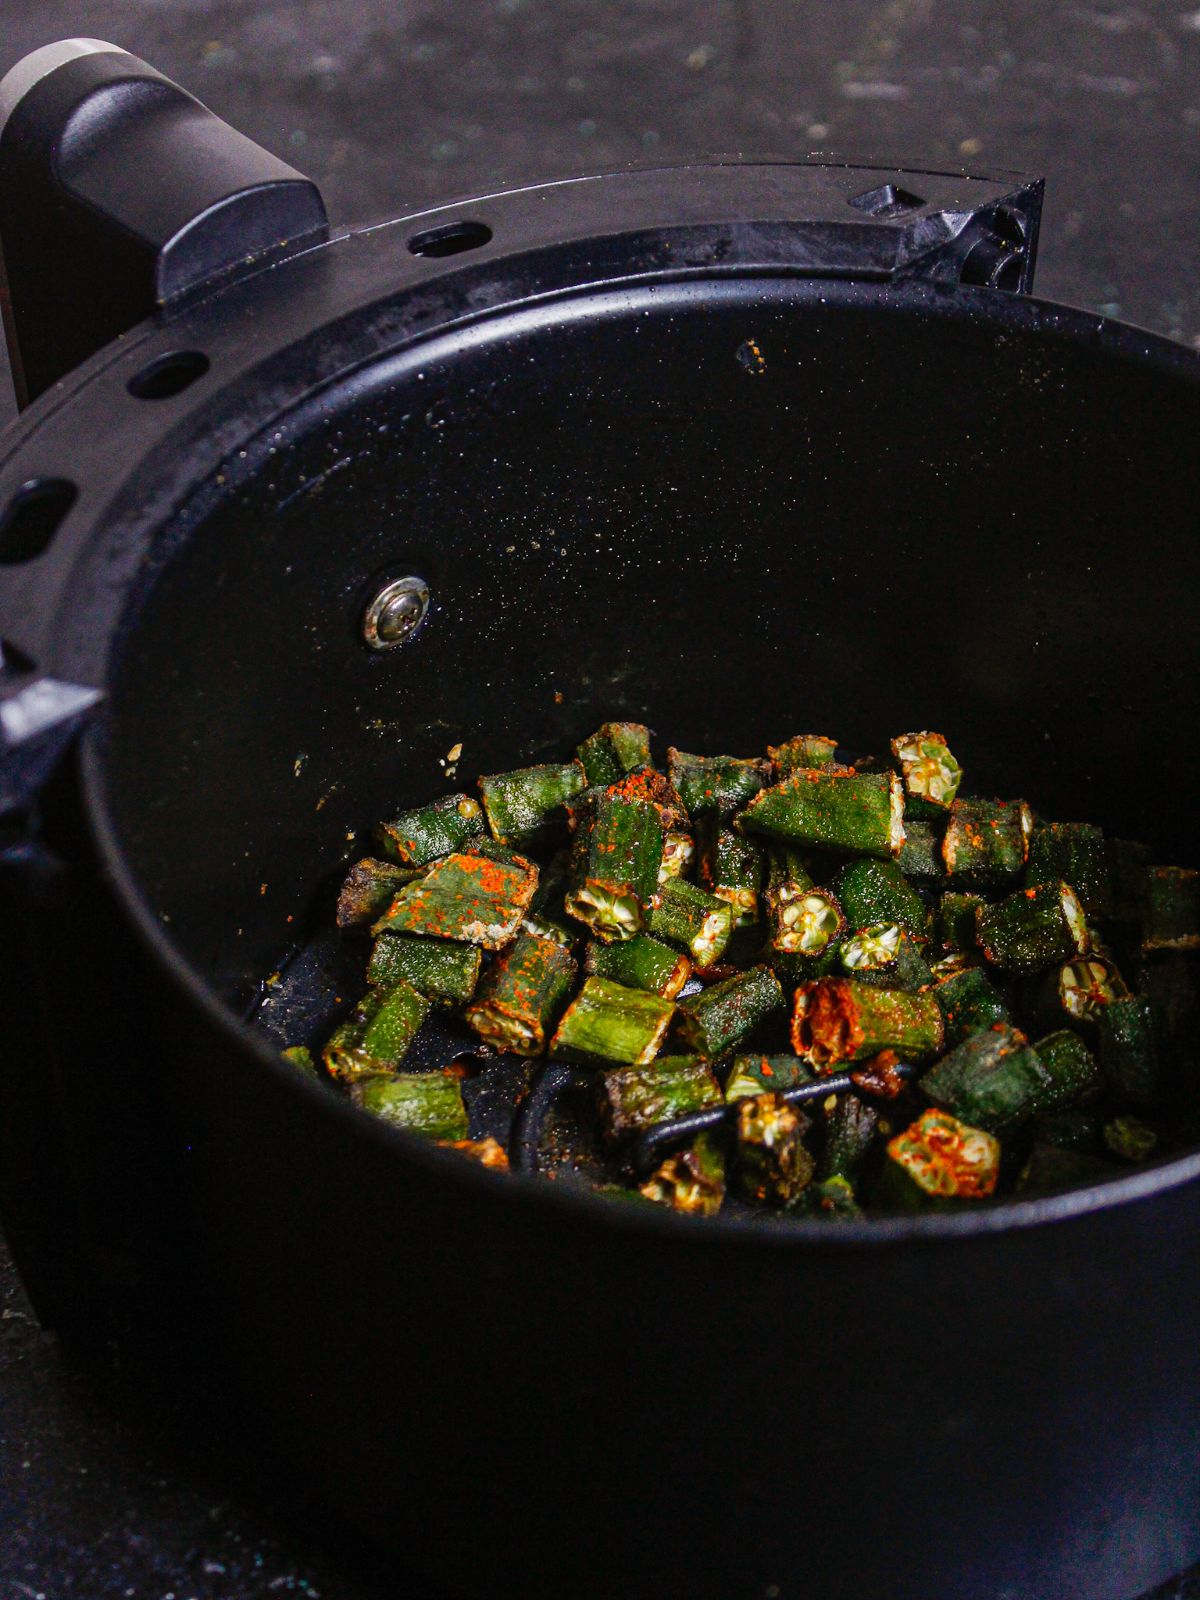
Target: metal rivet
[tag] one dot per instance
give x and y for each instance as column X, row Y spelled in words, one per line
column 396, row 613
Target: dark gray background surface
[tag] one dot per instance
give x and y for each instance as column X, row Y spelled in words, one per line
column 394, row 105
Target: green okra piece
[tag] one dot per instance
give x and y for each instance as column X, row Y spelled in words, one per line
column 685, row 915
column 521, row 993
column 464, row 897
column 872, row 891
column 1073, row 1071
column 840, row 1019
column 614, row 867
column 992, row 1080
column 692, row 1180
column 445, row 972
column 1127, row 1033
column 771, row 1162
column 679, row 853
column 938, row 1163
column 907, row 969
column 640, row 963
column 1074, row 853
column 1127, row 859
column 920, row 855
column 376, row 1037
column 731, row 867
column 613, row 750
column 850, row 1131
column 986, row 841
column 718, row 1018
column 721, row 784
column 612, row 1025
column 300, row 1056
column 802, row 750
column 759, row 1074
column 792, row 967
column 368, row 891
column 423, row 1102
column 1130, row 1139
column 931, row 774
column 1075, row 992
column 829, row 1201
column 969, row 1001
column 548, row 916
column 1049, row 1168
column 522, row 807
column 871, row 950
column 861, row 813
column 1033, row 928
column 632, row 1098
column 1170, row 904
column 421, row 835
column 955, row 922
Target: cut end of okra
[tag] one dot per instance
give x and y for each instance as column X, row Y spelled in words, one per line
column 929, row 771
column 773, row 1165
column 872, row 948
column 804, row 921
column 940, row 1159
column 679, row 852
column 839, row 1019
column 699, row 923
column 692, row 1181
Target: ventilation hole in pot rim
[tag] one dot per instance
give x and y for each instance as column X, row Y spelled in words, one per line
column 32, row 518
column 450, row 240
column 886, row 201
column 168, row 375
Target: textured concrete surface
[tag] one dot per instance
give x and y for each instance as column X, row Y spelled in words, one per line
column 394, row 105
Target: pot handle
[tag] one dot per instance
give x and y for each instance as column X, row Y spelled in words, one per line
column 121, row 194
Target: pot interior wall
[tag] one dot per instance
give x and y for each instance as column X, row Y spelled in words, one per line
column 736, row 511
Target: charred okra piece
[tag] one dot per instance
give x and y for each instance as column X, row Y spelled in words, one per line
column 1076, row 991
column 838, row 1019
column 613, row 750
column 421, row 835
column 691, row 1181
column 763, row 1074
column 721, row 784
column 992, row 1080
column 717, row 1019
column 446, row 972
column 1033, row 928
column 938, row 1163
column 548, row 916
column 969, row 1001
column 488, row 1152
column 1074, row 853
column 424, row 1102
column 1130, row 1139
column 640, row 963
column 523, row 806
column 803, row 750
column 376, row 1038
column 920, row 856
column 877, row 891
column 679, row 852
column 730, row 867
column 956, row 922
column 987, row 841
column 521, row 994
column 1127, row 1029
column 1170, row 903
column 686, row 916
column 862, row 813
column 772, row 1164
column 1073, row 1071
column 931, row 774
column 614, row 867
column 300, row 1057
column 632, row 1098
column 610, row 1024
column 369, row 890
column 850, row 1131
column 467, row 898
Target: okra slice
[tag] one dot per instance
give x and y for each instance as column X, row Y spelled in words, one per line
column 968, row 1001
column 1033, row 928
column 632, row 1098
column 871, row 949
column 931, row 774
column 424, row 1102
column 1073, row 1071
column 692, row 1180
column 679, row 852
column 1076, row 991
column 447, row 973
column 376, row 1038
column 987, row 841
column 839, row 1019
column 801, row 918
column 684, row 915
column 368, row 891
column 1130, row 1139
column 1170, row 904
column 861, row 813
column 877, row 892
column 1074, row 853
column 722, row 784
column 939, row 1162
column 850, row 1131
column 1127, row 1033
column 426, row 832
column 955, row 922
column 548, row 916
column 640, row 963
column 521, row 993
column 920, row 855
column 760, row 1074
column 718, row 1018
column 488, row 1152
column 608, row 1023
column 771, row 1162
column 464, row 897
column 992, row 1080
column 614, row 867
column 523, row 806
column 907, row 969
column 300, row 1057
column 802, row 750
column 730, row 867
column 613, row 750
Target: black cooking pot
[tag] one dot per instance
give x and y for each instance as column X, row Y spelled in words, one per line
column 729, row 448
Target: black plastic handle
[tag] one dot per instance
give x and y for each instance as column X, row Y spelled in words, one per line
column 121, row 193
